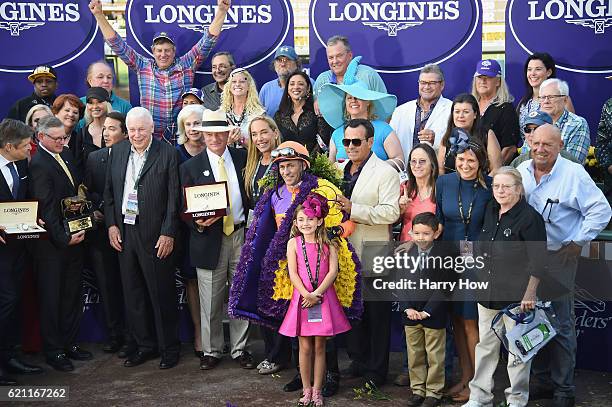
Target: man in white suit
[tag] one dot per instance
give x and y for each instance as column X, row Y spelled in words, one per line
column 371, row 197
column 424, row 119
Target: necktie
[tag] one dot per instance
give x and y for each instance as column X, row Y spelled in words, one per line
column 64, row 167
column 228, row 221
column 15, row 176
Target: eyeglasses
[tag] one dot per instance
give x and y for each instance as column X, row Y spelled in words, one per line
column 416, row 163
column 356, row 142
column 502, row 187
column 283, row 60
column 56, row 139
column 528, row 129
column 549, row 98
column 287, row 152
column 430, row 83
column 550, row 202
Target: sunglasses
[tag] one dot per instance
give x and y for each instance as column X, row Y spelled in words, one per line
column 356, row 142
column 528, row 129
column 287, row 152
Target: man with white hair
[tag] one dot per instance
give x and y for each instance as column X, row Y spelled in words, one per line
column 141, row 211
column 574, row 129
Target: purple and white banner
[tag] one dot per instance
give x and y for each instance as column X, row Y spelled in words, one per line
column 578, row 35
column 252, row 31
column 398, row 38
column 57, row 33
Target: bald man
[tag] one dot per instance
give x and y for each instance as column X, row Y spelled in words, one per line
column 575, row 211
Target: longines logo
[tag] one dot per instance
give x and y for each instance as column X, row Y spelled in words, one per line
column 17, row 17
column 598, row 13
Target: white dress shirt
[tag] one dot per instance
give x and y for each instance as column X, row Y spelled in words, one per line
column 6, row 173
column 134, row 165
column 233, row 185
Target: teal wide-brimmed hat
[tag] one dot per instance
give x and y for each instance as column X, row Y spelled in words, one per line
column 332, row 96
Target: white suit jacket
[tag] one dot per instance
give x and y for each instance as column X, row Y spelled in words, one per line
column 374, row 202
column 402, row 121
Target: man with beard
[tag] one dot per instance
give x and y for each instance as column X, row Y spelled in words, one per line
column 222, row 65
column 44, row 80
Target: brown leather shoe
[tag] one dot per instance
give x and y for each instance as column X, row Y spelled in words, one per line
column 431, row 402
column 246, row 360
column 209, row 362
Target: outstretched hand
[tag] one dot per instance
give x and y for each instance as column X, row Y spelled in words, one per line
column 224, row 5
column 95, row 6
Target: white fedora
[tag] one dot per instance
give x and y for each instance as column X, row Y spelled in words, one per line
column 214, row 121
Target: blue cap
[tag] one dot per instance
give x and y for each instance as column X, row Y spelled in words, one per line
column 195, row 92
column 538, row 118
column 488, row 67
column 165, row 35
column 286, row 51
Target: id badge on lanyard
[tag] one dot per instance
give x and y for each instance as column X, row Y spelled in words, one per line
column 131, row 208
column 315, row 314
column 466, row 248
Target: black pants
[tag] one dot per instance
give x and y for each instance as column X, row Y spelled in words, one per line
column 150, row 292
column 277, row 347
column 105, row 263
column 12, row 263
column 60, row 290
column 368, row 341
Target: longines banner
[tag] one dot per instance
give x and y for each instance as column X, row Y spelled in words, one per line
column 57, row 33
column 252, row 31
column 578, row 35
column 398, row 38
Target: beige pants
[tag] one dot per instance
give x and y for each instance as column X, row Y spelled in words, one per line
column 426, row 353
column 212, row 285
column 487, row 357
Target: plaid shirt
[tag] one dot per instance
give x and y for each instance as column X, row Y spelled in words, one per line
column 161, row 89
column 575, row 135
column 604, row 137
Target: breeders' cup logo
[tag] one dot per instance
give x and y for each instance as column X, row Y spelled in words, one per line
column 403, row 36
column 253, row 29
column 29, row 25
column 559, row 25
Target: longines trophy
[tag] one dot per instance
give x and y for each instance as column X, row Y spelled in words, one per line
column 78, row 212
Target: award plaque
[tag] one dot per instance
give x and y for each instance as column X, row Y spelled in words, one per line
column 78, row 212
column 206, row 201
column 19, row 219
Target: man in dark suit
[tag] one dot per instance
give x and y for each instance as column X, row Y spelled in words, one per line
column 58, row 260
column 104, row 259
column 15, row 140
column 141, row 209
column 215, row 243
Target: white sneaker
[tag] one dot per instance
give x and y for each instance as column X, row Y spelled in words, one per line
column 261, row 364
column 473, row 403
column 269, row 368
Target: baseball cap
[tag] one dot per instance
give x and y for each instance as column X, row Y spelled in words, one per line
column 41, row 71
column 98, row 93
column 163, row 34
column 286, row 51
column 538, row 118
column 488, row 67
column 195, row 92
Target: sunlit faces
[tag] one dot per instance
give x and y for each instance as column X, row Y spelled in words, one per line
column 537, row 72
column 420, row 164
column 528, row 130
column 45, row 86
column 221, row 68
column 356, row 108
column 140, row 131
column 464, row 116
column 430, row 86
column 466, row 164
column 291, row 171
column 101, row 76
column 423, row 235
column 297, row 88
column 338, row 58
column 164, row 54
column 53, row 140
column 307, row 225
column 358, row 153
column 284, row 66
column 487, row 86
column 112, row 131
column 546, row 146
column 190, row 99
column 505, row 190
column 262, row 135
column 19, row 151
column 191, row 121
column 239, row 84
column 96, row 108
column 68, row 115
column 551, row 101
column 216, row 141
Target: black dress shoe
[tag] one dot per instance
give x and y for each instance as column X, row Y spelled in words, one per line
column 246, row 360
column 16, row 366
column 294, row 385
column 76, row 353
column 139, row 358
column 332, row 384
column 113, row 345
column 7, row 381
column 169, row 360
column 127, row 349
column 563, row 401
column 198, row 354
column 209, row 362
column 60, row 362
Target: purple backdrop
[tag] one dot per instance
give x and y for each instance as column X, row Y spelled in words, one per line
column 27, row 30
column 399, row 38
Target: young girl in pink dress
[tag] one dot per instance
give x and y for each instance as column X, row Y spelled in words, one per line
column 314, row 312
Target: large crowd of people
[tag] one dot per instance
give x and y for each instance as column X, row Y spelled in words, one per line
column 315, row 169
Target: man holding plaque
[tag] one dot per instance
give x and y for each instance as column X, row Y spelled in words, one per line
column 215, row 242
column 141, row 211
column 15, row 140
column 58, row 261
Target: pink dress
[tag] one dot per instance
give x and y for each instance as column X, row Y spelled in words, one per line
column 333, row 321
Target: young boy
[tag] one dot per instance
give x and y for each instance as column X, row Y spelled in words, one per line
column 425, row 317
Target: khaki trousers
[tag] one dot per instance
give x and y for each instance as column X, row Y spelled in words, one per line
column 426, row 354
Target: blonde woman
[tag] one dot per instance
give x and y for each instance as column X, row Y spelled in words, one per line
column 264, row 137
column 96, row 108
column 240, row 102
column 190, row 142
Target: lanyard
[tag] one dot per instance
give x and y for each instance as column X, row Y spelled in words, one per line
column 256, row 195
column 133, row 167
column 315, row 281
column 466, row 221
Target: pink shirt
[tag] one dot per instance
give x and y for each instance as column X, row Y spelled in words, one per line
column 413, row 209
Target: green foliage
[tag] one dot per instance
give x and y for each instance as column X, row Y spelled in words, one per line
column 370, row 392
column 320, row 166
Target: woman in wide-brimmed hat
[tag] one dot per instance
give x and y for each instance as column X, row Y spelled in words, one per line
column 353, row 100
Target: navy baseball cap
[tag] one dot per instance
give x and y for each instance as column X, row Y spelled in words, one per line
column 488, row 67
column 286, row 51
column 195, row 92
column 164, row 35
column 538, row 118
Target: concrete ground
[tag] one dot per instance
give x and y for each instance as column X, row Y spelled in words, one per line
column 105, row 382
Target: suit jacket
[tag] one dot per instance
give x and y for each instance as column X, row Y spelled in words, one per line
column 95, row 176
column 374, row 202
column 205, row 246
column 50, row 184
column 158, row 191
column 23, row 172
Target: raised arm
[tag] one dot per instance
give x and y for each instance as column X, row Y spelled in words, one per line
column 95, row 6
column 217, row 23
